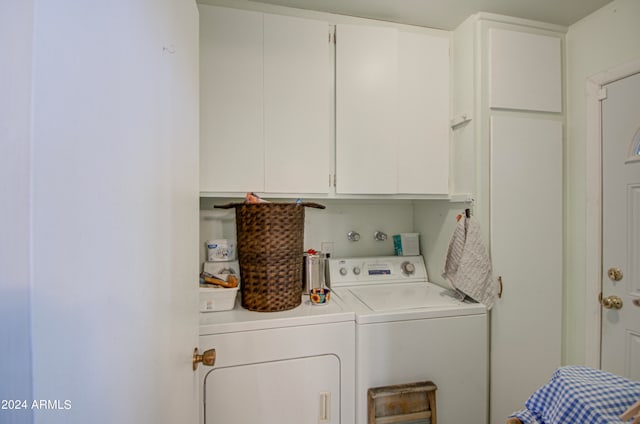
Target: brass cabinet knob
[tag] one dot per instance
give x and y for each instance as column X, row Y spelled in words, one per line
column 611, row 302
column 208, row 358
column 614, row 274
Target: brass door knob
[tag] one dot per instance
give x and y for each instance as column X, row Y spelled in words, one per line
column 208, row 358
column 611, row 302
column 614, row 274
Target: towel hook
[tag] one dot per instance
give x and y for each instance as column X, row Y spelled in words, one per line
column 467, row 213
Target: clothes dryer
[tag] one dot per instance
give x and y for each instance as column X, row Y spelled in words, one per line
column 294, row 366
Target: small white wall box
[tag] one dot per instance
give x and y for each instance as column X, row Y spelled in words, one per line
column 406, row 244
column 217, row 298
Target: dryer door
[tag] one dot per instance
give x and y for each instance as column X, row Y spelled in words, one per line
column 301, row 391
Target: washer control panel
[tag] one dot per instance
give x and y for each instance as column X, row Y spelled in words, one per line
column 376, row 270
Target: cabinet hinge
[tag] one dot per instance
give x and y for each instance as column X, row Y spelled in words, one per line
column 332, row 180
column 332, row 34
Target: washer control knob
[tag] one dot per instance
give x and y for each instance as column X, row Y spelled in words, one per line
column 343, row 271
column 408, row 268
column 356, row 270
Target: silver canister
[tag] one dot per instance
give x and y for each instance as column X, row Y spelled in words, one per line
column 313, row 271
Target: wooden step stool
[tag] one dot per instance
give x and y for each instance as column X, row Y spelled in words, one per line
column 402, row 403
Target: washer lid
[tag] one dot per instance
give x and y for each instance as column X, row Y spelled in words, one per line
column 402, row 296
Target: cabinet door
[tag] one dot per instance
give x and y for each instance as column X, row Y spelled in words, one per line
column 231, row 100
column 366, row 93
column 296, row 105
column 423, row 119
column 301, row 391
column 526, row 249
column 525, row 71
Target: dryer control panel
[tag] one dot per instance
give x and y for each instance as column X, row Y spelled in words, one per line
column 376, row 270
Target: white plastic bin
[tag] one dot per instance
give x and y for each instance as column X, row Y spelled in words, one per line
column 217, row 298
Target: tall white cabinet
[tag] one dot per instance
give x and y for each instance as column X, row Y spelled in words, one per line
column 508, row 81
column 526, row 247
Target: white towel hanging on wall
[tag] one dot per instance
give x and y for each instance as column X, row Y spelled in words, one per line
column 468, row 266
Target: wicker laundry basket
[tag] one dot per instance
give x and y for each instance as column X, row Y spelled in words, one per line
column 270, row 243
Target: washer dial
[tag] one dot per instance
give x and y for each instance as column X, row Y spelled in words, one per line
column 408, row 268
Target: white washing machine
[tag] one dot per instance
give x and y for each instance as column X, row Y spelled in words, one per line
column 295, row 366
column 410, row 330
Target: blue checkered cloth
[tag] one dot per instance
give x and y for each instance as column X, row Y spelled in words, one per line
column 580, row 395
column 525, row 416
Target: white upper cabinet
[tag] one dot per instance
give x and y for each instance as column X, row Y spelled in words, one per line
column 423, row 120
column 265, row 102
column 392, row 111
column 366, row 115
column 267, row 83
column 525, row 71
column 296, row 105
column 231, row 100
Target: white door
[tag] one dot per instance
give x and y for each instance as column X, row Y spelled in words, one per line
column 366, row 115
column 621, row 228
column 526, row 249
column 231, row 100
column 296, row 105
column 114, row 211
column 299, row 390
column 422, row 145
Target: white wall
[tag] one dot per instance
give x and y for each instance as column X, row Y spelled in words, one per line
column 16, row 27
column 325, row 225
column 434, row 220
column 605, row 39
